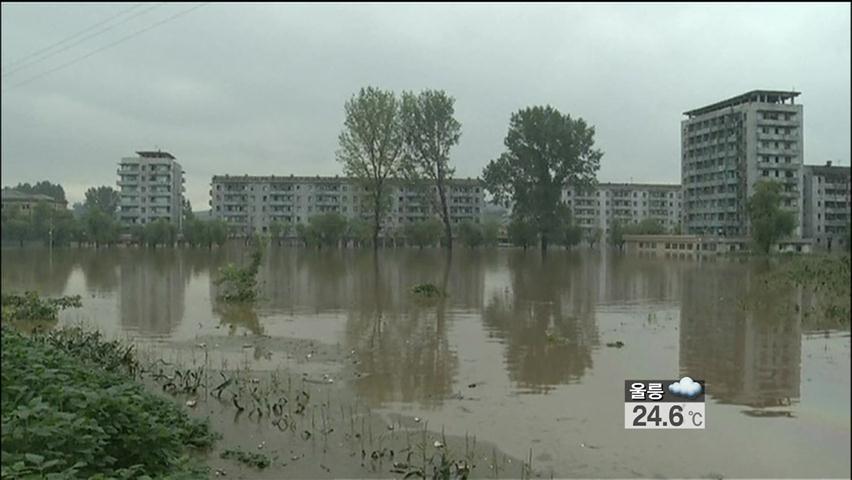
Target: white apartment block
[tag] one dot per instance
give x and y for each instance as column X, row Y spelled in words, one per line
column 606, row 203
column 826, row 205
column 251, row 203
column 729, row 146
column 151, row 186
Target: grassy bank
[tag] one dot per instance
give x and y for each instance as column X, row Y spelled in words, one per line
column 71, row 408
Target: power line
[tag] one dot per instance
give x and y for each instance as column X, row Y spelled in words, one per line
column 121, row 40
column 66, row 39
column 45, row 57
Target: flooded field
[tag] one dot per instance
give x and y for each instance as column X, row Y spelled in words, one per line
column 516, row 356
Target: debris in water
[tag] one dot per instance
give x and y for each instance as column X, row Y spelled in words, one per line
column 617, row 344
column 416, row 419
column 191, row 403
column 202, row 345
column 438, row 444
column 220, row 473
column 472, row 385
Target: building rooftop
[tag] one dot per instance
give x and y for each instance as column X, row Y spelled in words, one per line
column 763, row 96
column 13, row 195
column 157, row 154
column 829, row 170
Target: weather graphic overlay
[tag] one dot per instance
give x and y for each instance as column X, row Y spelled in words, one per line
column 664, row 404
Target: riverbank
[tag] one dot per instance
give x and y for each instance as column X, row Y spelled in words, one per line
column 70, row 407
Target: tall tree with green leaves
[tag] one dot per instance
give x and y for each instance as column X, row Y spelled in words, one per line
column 769, row 222
column 521, row 232
column 545, row 151
column 371, row 147
column 423, row 233
column 103, row 198
column 100, row 228
column 45, row 188
column 430, row 132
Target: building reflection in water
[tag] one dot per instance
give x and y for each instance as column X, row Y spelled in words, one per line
column 401, row 343
column 740, row 335
column 37, row 269
column 153, row 286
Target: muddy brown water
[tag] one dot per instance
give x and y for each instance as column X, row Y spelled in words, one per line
column 515, row 354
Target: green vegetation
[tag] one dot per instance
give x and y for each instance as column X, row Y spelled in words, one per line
column 29, row 312
column 769, row 223
column 359, row 232
column 424, row 233
column 279, row 230
column 593, row 236
column 430, row 131
column 545, row 150
column 371, row 147
column 521, row 232
column 471, row 234
column 572, row 235
column 103, row 198
column 257, row 460
column 160, row 232
column 44, row 188
column 205, row 233
column 70, row 409
column 43, row 223
column 240, row 284
column 327, row 229
column 427, row 290
column 490, row 232
column 100, row 228
column 825, row 297
column 616, row 234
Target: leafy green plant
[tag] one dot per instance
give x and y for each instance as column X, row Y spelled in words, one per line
column 240, row 284
column 427, row 290
column 29, row 307
column 64, row 413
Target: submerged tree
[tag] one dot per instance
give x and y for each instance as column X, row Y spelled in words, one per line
column 521, row 232
column 103, row 198
column 371, row 146
column 545, row 151
column 240, row 284
column 430, row 131
column 769, row 223
column 423, row 233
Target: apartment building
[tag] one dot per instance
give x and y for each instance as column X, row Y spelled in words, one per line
column 249, row 204
column 151, row 186
column 13, row 200
column 727, row 147
column 607, row 203
column 826, row 205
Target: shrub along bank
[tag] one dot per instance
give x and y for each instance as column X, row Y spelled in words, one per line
column 71, row 409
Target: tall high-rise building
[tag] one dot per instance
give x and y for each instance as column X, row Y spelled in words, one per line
column 151, row 187
column 826, row 205
column 729, row 146
column 249, row 204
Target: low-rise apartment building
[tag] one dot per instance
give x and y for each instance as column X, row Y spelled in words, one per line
column 606, row 203
column 249, row 204
column 13, row 200
column 826, row 201
column 151, row 186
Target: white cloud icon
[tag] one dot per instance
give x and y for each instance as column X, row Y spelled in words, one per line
column 686, row 387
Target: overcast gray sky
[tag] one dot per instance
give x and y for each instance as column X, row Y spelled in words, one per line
column 259, row 89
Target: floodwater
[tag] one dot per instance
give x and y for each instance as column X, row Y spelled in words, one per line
column 516, row 354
